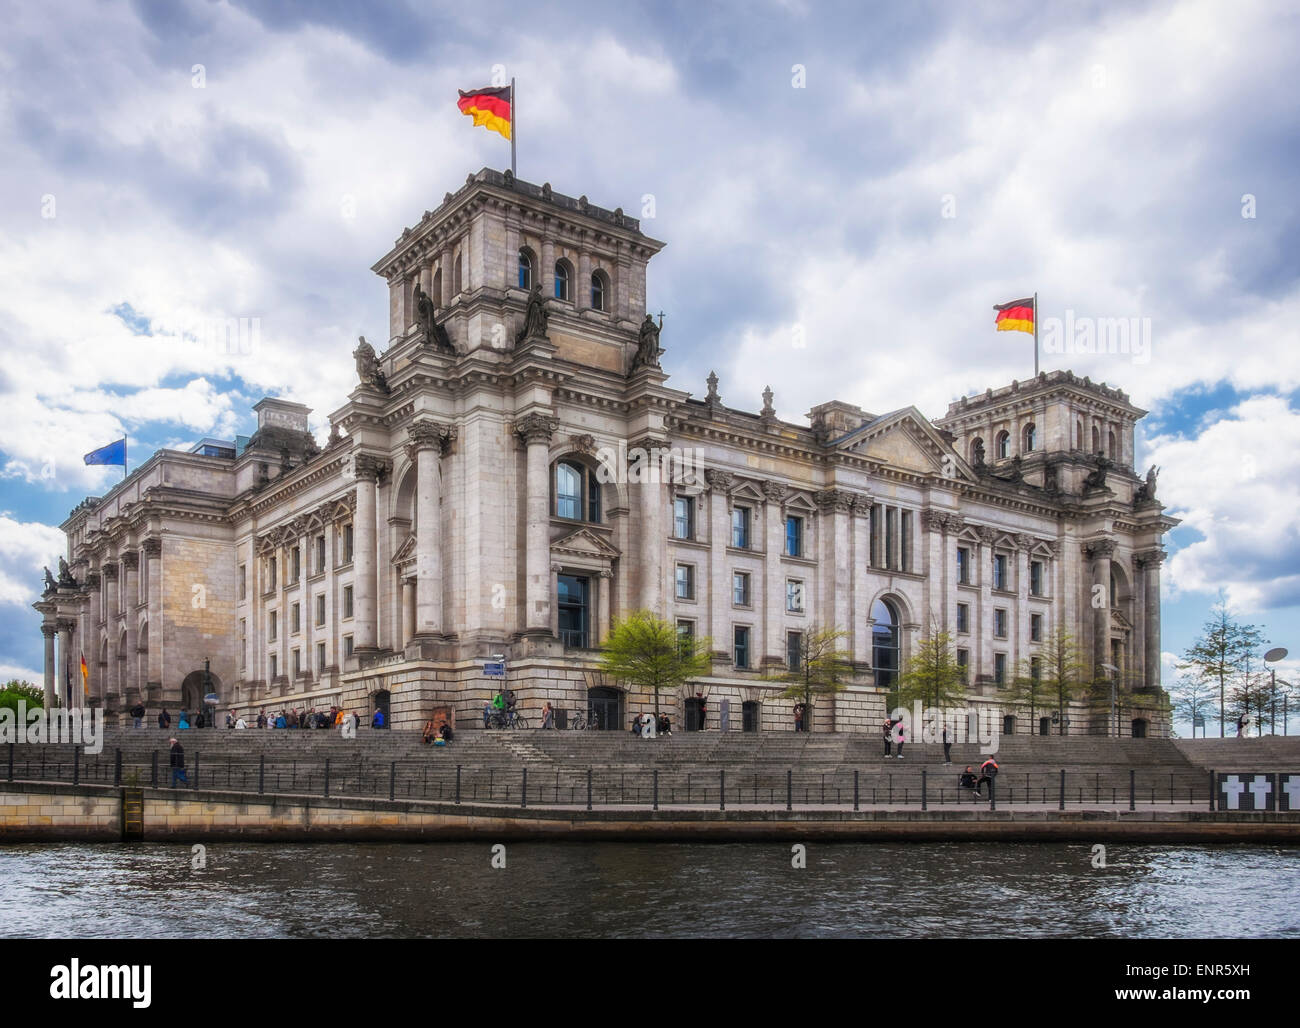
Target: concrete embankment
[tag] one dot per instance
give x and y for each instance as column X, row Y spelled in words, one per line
column 48, row 812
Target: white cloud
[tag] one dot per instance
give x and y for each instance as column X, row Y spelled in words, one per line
column 26, row 546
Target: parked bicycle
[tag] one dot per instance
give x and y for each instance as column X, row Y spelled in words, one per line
column 502, row 719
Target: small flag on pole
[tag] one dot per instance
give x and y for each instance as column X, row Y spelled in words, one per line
column 85, row 676
column 491, row 108
column 113, row 453
column 1016, row 316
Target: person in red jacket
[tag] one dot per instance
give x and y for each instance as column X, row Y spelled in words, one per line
column 988, row 772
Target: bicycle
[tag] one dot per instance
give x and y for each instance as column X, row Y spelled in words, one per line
column 578, row 722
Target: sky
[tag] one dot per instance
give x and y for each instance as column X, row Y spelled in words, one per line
column 845, row 190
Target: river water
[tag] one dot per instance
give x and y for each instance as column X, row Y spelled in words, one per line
column 577, row 890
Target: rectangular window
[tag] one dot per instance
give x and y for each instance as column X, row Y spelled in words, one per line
column 905, row 540
column 297, row 563
column 273, row 626
column 685, row 636
column 1000, row 669
column 794, row 650
column 873, row 535
column 297, row 662
column 1035, row 627
column 740, row 637
column 684, row 517
column 320, row 554
column 270, row 573
column 794, row 536
column 320, row 658
column 320, row 610
column 275, row 666
column 295, row 619
column 740, row 528
column 347, row 601
column 243, row 581
column 999, row 571
column 963, row 565
column 999, row 623
column 347, row 544
column 686, row 581
column 963, row 664
column 347, row 646
column 963, row 617
column 1036, row 578
column 794, row 595
column 740, row 589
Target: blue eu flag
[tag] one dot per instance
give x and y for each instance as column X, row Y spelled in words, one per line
column 113, row 453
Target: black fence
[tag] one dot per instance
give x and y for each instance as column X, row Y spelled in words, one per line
column 440, row 779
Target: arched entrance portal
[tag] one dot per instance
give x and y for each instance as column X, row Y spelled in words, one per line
column 194, row 687
column 605, row 708
column 381, row 701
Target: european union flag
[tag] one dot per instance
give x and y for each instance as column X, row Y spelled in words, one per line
column 113, row 453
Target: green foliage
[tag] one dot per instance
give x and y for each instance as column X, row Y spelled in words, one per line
column 646, row 651
column 1063, row 674
column 15, row 692
column 932, row 675
column 1192, row 699
column 1222, row 653
column 822, row 666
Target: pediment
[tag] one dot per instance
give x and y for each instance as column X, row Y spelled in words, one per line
column 406, row 551
column 906, row 440
column 584, row 543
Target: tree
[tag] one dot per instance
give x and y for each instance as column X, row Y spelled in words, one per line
column 1192, row 699
column 822, row 665
column 1252, row 697
column 1064, row 672
column 1221, row 653
column 15, row 692
column 932, row 675
column 646, row 651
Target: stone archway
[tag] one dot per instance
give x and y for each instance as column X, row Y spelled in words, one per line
column 194, row 687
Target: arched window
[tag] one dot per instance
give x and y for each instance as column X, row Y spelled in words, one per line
column 1078, row 434
column 1110, row 445
column 1004, row 444
column 977, row 450
column 437, row 288
column 563, row 281
column 525, row 268
column 577, row 492
column 1096, row 440
column 884, row 644
column 456, row 277
column 599, row 291
column 1030, row 440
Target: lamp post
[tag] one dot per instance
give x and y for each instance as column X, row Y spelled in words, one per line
column 1114, row 711
column 1272, row 657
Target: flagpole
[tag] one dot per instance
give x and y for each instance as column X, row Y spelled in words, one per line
column 124, row 451
column 513, row 117
column 1035, row 335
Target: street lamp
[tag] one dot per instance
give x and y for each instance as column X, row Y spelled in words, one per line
column 1114, row 713
column 1272, row 657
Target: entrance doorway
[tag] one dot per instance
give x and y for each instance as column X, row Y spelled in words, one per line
column 1008, row 724
column 1044, row 726
column 694, row 705
column 194, row 687
column 382, row 700
column 749, row 716
column 605, row 708
column 1139, row 728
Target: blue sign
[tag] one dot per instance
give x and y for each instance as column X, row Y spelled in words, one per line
column 495, row 669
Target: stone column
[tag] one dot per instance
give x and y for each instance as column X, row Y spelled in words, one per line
column 66, row 663
column 536, row 430
column 720, row 484
column 582, row 291
column 1151, row 561
column 112, row 595
column 771, row 645
column 546, row 273
column 1100, row 552
column 369, row 469
column 861, row 605
column 835, row 505
column 554, row 590
column 49, row 631
column 130, row 589
column 408, row 610
column 429, row 440
column 605, row 587
column 935, row 525
column 653, row 510
column 982, row 626
column 1024, row 543
column 154, row 658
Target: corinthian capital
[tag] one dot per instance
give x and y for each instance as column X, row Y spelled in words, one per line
column 536, row 428
column 719, row 481
column 1099, row 548
column 370, row 467
column 836, row 500
column 776, row 492
column 427, row 433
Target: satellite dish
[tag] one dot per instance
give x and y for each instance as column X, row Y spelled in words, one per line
column 1275, row 654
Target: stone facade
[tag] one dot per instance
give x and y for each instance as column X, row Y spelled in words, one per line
column 513, row 473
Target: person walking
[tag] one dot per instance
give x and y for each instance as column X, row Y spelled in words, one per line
column 988, row 772
column 548, row 716
column 137, row 715
column 889, row 737
column 378, row 720
column 798, row 717
column 947, row 745
column 164, row 719
column 177, row 761
column 901, row 737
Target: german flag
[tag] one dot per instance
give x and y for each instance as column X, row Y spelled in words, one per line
column 1016, row 316
column 85, row 676
column 490, row 108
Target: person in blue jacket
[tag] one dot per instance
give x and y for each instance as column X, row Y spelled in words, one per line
column 378, row 720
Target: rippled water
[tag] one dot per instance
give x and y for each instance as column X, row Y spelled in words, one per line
column 623, row 889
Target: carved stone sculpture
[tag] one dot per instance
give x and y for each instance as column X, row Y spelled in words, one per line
column 647, row 348
column 369, row 371
column 50, row 583
column 535, row 320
